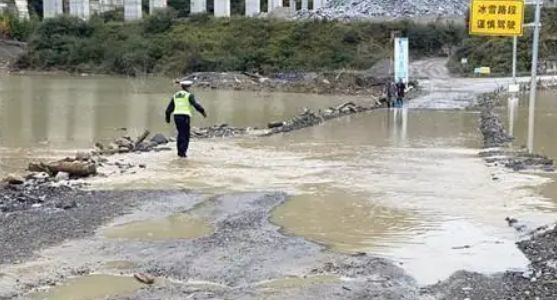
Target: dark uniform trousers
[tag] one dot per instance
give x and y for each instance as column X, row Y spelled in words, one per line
column 183, row 127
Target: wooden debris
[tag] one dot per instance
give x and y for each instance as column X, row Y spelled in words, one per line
column 142, row 137
column 144, row 278
column 275, row 124
column 74, row 168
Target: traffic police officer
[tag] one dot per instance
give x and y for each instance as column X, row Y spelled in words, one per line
column 181, row 105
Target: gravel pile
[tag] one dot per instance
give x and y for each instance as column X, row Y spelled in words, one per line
column 357, row 9
column 492, row 129
column 34, row 195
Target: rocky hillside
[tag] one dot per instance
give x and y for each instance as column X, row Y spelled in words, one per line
column 357, row 9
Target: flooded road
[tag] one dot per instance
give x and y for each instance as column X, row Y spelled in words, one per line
column 407, row 185
column 404, row 184
column 47, row 116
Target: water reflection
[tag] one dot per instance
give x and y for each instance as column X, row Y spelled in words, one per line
column 512, row 107
column 41, row 115
column 400, row 124
column 544, row 128
column 544, row 125
column 75, row 111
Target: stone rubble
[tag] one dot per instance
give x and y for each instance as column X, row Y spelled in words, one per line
column 361, row 9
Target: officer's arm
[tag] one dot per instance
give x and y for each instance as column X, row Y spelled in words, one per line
column 197, row 106
column 169, row 110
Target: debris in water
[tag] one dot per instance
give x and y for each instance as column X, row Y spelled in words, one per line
column 511, row 221
column 462, row 247
column 144, row 278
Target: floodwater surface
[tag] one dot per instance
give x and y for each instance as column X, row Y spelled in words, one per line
column 545, row 123
column 50, row 116
column 406, row 184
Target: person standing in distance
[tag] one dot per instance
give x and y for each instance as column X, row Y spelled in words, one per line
column 400, row 90
column 182, row 105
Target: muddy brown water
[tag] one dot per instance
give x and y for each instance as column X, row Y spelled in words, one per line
column 52, row 115
column 178, row 226
column 90, row 287
column 404, row 184
column 515, row 115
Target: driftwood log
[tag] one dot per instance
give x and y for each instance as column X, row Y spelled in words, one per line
column 74, row 168
column 142, row 137
column 275, row 125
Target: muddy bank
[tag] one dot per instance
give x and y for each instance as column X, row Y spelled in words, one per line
column 246, row 257
column 334, row 82
column 539, row 282
column 44, row 216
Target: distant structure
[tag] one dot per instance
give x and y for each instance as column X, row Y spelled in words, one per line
column 198, row 6
column 79, row 8
column 52, row 8
column 155, row 5
column 221, row 8
column 133, row 9
column 16, row 7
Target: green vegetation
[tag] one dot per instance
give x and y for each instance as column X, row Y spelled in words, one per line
column 166, row 44
column 13, row 28
column 497, row 52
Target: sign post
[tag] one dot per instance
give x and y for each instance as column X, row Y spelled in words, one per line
column 506, row 18
column 515, row 42
column 401, row 60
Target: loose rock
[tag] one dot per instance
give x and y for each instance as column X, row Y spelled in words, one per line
column 159, row 139
column 62, row 176
column 13, row 179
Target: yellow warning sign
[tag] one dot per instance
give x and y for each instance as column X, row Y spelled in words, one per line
column 497, row 17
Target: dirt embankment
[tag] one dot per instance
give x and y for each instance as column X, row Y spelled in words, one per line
column 338, row 82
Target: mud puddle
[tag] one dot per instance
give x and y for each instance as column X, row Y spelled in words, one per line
column 347, row 222
column 90, row 287
column 177, row 226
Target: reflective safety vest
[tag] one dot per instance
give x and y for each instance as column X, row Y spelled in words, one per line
column 182, row 104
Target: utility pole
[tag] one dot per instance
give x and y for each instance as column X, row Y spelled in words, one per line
column 515, row 42
column 533, row 79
